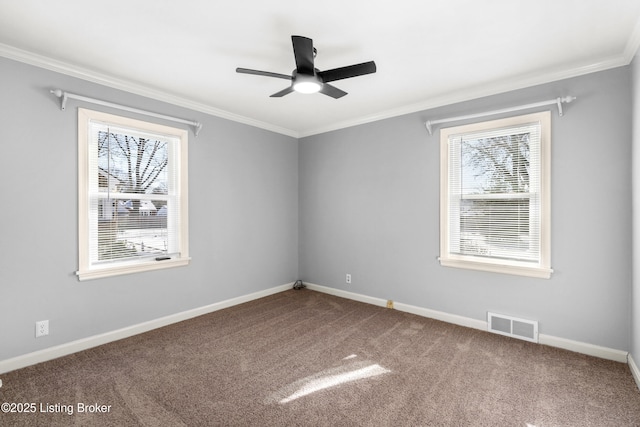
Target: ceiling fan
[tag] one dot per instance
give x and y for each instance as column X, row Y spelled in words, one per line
column 308, row 79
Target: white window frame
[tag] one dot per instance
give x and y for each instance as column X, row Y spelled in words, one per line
column 540, row 268
column 87, row 270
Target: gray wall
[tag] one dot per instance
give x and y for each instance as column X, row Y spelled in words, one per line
column 369, row 206
column 243, row 217
column 266, row 209
column 635, row 322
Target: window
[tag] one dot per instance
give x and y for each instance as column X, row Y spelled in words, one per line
column 494, row 206
column 132, row 182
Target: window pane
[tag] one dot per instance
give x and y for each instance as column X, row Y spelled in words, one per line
column 132, row 164
column 134, row 209
column 496, row 164
column 123, row 233
column 496, row 228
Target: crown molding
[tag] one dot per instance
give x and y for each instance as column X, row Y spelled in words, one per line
column 631, row 49
column 468, row 94
column 633, row 44
column 50, row 64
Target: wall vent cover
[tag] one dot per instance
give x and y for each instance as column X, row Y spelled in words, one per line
column 513, row 327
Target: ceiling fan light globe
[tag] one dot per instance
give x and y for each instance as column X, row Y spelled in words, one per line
column 307, row 87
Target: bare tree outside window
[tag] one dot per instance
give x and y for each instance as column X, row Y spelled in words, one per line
column 132, row 225
column 499, row 164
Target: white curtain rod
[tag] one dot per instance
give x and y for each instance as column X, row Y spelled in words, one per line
column 557, row 101
column 197, row 126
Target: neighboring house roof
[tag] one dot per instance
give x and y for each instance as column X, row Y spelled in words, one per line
column 107, row 180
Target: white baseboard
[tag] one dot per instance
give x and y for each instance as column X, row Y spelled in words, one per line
column 94, row 341
column 346, row 294
column 46, row 354
column 634, row 370
column 584, row 348
column 575, row 346
column 420, row 311
column 441, row 315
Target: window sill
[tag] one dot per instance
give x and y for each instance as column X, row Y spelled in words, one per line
column 97, row 273
column 515, row 269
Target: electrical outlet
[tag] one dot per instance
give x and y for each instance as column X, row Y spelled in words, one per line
column 348, row 278
column 42, row 328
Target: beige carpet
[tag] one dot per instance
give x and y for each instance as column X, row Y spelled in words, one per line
column 302, row 358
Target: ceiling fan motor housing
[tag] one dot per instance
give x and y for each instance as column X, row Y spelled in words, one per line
column 306, row 83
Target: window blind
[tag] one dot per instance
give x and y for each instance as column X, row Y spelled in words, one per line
column 133, row 185
column 494, row 193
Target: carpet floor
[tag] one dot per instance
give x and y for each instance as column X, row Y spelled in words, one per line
column 304, row 358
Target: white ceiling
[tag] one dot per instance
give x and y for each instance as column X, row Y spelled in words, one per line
column 428, row 52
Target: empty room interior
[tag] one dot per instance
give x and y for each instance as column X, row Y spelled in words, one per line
column 190, row 237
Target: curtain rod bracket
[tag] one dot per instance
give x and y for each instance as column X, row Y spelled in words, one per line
column 559, row 102
column 566, row 99
column 428, row 125
column 64, row 96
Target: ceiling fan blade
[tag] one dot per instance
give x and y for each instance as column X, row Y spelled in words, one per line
column 303, row 52
column 282, row 93
column 262, row 73
column 348, row 71
column 332, row 91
